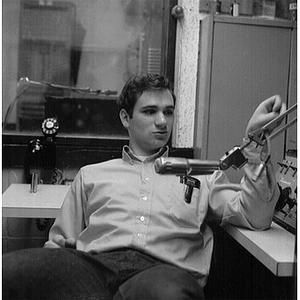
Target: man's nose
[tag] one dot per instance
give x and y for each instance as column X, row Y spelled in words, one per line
column 161, row 119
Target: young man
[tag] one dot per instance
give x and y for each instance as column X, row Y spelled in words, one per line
column 126, row 232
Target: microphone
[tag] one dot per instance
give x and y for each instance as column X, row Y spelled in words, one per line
column 183, row 166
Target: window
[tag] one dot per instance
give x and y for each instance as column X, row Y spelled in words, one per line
column 68, row 60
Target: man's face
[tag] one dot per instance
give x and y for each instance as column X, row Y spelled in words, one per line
column 151, row 123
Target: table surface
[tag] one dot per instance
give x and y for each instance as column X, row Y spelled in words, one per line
column 275, row 247
column 18, row 202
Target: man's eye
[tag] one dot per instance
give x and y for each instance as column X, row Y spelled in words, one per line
column 149, row 111
column 169, row 112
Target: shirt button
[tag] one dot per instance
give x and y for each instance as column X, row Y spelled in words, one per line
column 142, row 218
column 147, row 178
column 145, row 198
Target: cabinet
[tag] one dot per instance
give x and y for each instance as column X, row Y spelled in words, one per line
column 242, row 61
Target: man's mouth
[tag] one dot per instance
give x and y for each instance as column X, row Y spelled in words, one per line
column 161, row 133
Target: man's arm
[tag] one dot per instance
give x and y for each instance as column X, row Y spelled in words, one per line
column 70, row 220
column 250, row 203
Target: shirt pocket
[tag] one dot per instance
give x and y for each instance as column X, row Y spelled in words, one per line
column 185, row 214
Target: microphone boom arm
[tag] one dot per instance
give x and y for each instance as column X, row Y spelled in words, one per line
column 233, row 158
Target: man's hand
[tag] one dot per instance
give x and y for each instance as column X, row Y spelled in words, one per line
column 60, row 242
column 268, row 110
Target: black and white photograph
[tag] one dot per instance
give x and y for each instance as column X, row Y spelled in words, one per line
column 149, row 149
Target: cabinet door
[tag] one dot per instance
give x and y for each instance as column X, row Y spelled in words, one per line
column 249, row 64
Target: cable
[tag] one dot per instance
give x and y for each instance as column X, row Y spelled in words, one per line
column 56, row 173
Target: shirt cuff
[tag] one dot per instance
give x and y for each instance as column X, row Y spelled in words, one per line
column 252, row 152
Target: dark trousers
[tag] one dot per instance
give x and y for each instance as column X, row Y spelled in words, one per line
column 70, row 274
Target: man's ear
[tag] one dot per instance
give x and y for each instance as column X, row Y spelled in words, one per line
column 124, row 117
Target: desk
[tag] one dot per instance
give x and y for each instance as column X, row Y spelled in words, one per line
column 18, row 202
column 274, row 248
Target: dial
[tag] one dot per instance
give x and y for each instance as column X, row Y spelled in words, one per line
column 50, row 127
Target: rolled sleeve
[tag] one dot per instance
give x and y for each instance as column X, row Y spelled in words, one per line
column 70, row 220
column 248, row 204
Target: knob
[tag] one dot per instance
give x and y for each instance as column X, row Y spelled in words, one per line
column 177, row 12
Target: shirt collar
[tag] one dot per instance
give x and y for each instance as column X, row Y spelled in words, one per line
column 130, row 157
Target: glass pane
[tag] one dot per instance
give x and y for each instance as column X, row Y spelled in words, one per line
column 69, row 60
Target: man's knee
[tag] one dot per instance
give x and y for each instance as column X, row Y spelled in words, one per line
column 14, row 263
column 19, row 269
column 34, row 273
column 162, row 282
column 176, row 290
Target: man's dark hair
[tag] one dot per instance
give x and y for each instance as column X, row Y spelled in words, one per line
column 135, row 87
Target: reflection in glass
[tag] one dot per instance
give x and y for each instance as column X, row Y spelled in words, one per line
column 93, row 45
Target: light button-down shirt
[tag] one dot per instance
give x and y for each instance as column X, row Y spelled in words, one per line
column 125, row 203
